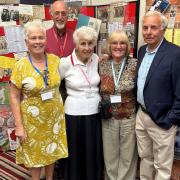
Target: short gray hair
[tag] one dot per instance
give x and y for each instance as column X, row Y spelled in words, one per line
column 51, row 6
column 164, row 20
column 85, row 32
column 33, row 25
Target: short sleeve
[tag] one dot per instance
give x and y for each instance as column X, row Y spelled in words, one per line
column 62, row 67
column 16, row 76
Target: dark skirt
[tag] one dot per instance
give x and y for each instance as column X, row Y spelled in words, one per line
column 84, row 138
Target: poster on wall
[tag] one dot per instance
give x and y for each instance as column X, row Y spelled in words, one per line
column 38, row 12
column 88, row 11
column 3, row 45
column 84, row 20
column 160, row 5
column 118, row 16
column 73, row 9
column 4, row 141
column 117, row 12
column 9, row 1
column 130, row 31
column 25, row 13
column 15, row 38
column 114, row 26
column 5, row 74
column 103, row 14
column 4, row 93
column 104, row 2
column 9, row 13
column 130, row 13
column 6, row 117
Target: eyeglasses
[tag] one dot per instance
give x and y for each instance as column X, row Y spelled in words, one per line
column 116, row 43
column 62, row 13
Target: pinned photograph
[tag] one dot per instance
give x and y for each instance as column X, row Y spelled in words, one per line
column 130, row 30
column 3, row 45
column 73, row 13
column 160, row 5
column 4, row 93
column 84, row 20
column 9, row 13
column 103, row 13
column 73, row 9
column 38, row 12
column 25, row 13
column 117, row 12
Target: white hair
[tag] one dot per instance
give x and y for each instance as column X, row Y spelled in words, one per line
column 29, row 26
column 85, row 32
column 164, row 20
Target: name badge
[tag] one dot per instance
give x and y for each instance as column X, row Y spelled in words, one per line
column 115, row 99
column 46, row 95
column 90, row 93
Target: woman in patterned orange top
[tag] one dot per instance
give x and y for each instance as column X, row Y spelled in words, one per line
column 37, row 106
column 117, row 85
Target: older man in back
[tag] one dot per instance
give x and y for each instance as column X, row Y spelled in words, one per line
column 59, row 37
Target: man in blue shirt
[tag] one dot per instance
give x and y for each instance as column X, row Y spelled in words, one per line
column 158, row 94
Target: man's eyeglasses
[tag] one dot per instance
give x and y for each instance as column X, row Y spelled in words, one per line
column 62, row 13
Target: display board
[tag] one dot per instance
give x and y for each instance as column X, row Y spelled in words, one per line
column 173, row 14
column 118, row 16
column 12, row 48
column 121, row 14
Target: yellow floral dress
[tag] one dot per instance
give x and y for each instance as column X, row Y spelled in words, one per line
column 43, row 121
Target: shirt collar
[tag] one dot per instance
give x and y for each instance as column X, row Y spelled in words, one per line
column 59, row 34
column 155, row 50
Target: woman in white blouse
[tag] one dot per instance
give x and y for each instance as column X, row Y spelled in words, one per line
column 80, row 71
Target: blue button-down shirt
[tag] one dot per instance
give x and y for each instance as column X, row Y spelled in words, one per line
column 143, row 72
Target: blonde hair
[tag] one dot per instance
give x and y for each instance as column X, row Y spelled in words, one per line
column 33, row 25
column 120, row 35
column 85, row 32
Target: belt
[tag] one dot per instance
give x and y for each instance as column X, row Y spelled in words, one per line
column 143, row 109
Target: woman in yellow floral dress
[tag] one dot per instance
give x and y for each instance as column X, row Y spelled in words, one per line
column 37, row 106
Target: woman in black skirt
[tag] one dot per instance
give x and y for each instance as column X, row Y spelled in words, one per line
column 80, row 71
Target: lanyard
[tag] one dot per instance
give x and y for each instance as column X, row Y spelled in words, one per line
column 116, row 80
column 62, row 47
column 84, row 74
column 45, row 75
